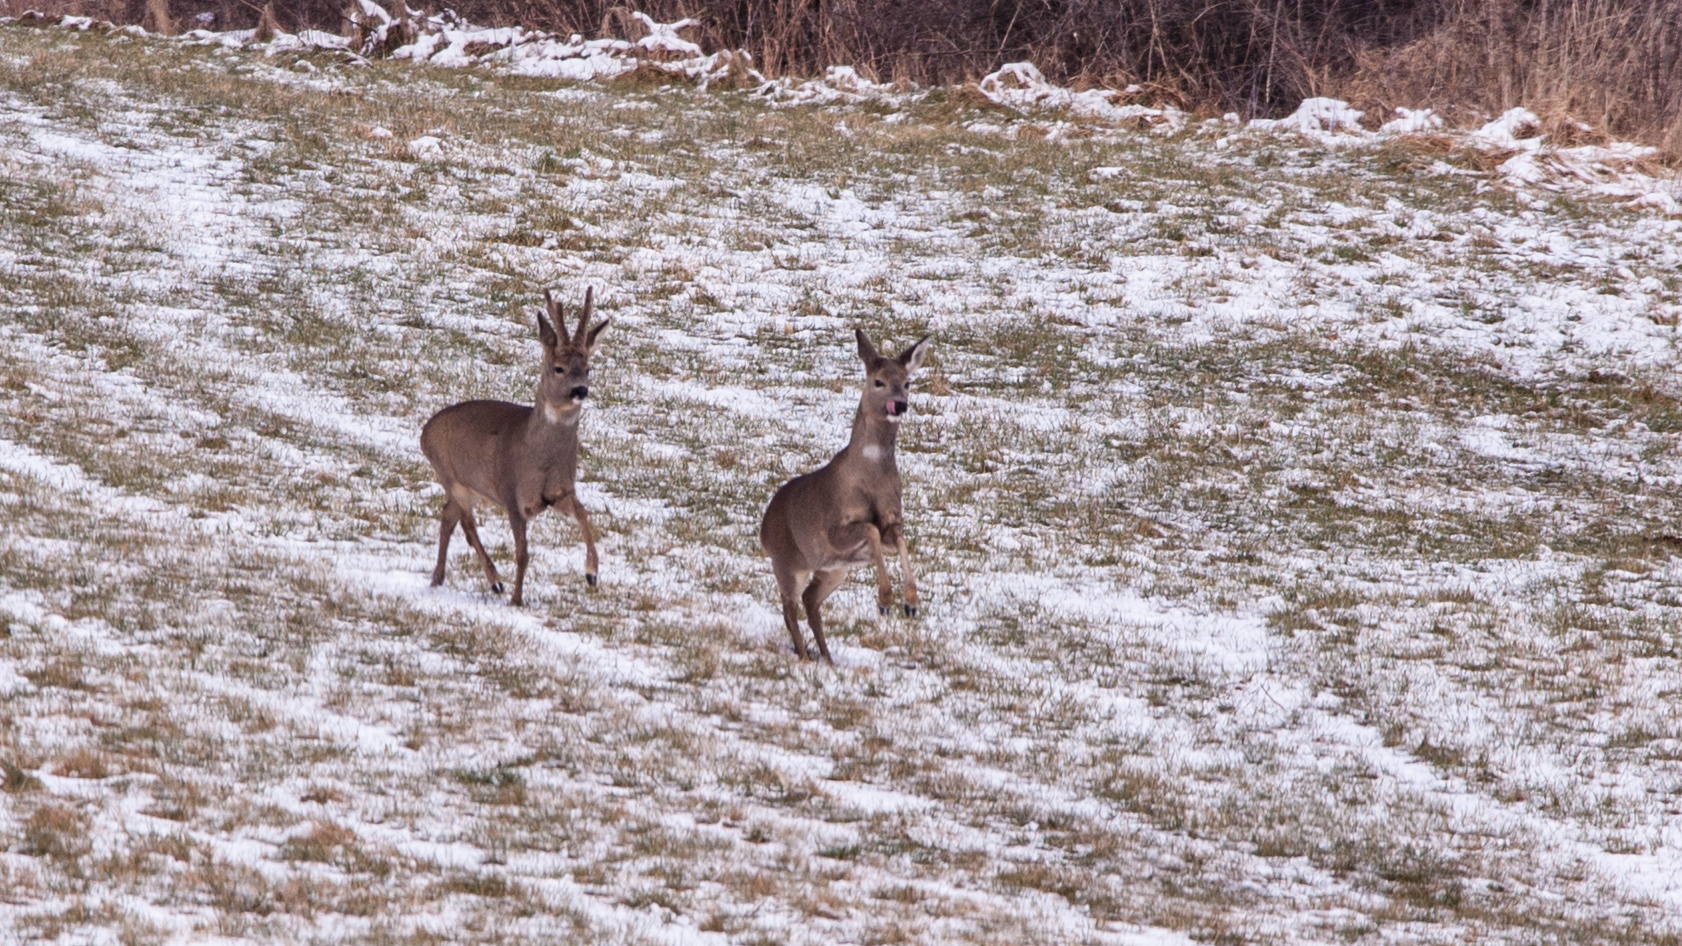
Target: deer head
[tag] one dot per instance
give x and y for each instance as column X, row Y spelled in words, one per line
column 566, row 360
column 887, row 385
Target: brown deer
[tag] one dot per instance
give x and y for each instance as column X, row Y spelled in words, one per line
column 821, row 524
column 524, row 459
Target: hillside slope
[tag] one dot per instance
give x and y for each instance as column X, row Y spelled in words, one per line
column 1296, row 523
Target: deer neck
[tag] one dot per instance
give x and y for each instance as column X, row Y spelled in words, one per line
column 552, row 425
column 873, row 438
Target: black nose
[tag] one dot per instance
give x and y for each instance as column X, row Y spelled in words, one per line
column 580, row 393
column 901, row 407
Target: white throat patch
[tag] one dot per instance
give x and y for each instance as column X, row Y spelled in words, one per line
column 554, row 416
column 872, row 452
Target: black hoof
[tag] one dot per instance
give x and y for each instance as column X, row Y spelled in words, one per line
column 496, row 587
column 883, row 609
column 590, row 579
column 910, row 610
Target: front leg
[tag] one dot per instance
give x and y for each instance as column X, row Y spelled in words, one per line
column 577, row 510
column 905, row 569
column 851, row 536
column 517, row 523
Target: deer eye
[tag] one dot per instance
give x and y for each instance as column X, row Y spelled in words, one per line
column 878, row 383
column 560, row 370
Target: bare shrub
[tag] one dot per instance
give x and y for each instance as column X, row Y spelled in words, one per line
column 1615, row 65
column 117, row 11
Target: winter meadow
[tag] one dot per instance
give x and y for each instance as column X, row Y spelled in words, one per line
column 1294, row 504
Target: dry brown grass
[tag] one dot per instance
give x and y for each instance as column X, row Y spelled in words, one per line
column 234, row 678
column 56, row 831
column 157, row 18
column 1614, row 67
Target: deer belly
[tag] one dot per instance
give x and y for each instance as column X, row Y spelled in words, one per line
column 541, row 503
column 854, row 558
column 820, row 553
column 859, row 554
column 472, row 498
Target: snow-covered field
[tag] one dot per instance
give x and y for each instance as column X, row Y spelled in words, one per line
column 1296, row 515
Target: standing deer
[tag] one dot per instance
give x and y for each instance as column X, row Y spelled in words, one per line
column 821, row 524
column 524, row 459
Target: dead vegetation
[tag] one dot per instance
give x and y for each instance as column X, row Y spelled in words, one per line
column 1591, row 68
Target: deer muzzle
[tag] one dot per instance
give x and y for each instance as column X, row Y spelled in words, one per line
column 580, row 393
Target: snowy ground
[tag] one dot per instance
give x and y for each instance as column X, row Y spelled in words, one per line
column 1297, row 523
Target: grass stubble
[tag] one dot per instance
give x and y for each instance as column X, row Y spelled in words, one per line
column 1293, row 575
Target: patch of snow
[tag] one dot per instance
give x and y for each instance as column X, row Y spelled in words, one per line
column 1021, row 86
column 662, row 37
column 427, row 148
column 1314, row 115
column 1413, row 121
column 1516, row 128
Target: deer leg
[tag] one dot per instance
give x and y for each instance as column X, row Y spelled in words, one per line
column 470, row 528
column 446, row 528
column 517, row 523
column 791, row 620
column 822, row 584
column 910, row 579
column 577, row 509
column 884, row 587
column 788, row 587
column 851, row 536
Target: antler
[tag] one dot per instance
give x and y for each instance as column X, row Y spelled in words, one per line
column 579, row 337
column 545, row 331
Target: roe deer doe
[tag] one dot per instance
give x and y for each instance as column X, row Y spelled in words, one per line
column 524, row 459
column 823, row 523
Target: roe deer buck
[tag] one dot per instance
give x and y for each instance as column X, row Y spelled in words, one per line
column 823, row 523
column 524, row 459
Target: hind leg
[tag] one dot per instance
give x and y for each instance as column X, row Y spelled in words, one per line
column 446, row 527
column 788, row 586
column 471, row 529
column 823, row 583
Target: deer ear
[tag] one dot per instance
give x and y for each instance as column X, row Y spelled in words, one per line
column 912, row 358
column 590, row 340
column 867, row 352
column 546, row 331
